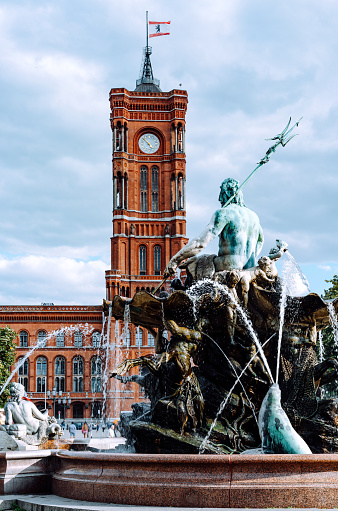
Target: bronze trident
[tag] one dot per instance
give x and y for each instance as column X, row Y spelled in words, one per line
column 281, row 139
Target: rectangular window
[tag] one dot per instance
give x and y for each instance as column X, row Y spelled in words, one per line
column 78, row 339
column 60, row 340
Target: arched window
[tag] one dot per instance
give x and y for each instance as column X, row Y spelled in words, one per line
column 78, row 336
column 96, row 371
column 60, row 373
column 143, row 260
column 157, row 260
column 77, row 374
column 42, row 338
column 144, row 186
column 96, row 339
column 60, row 339
column 151, row 340
column 23, row 339
column 41, row 374
column 23, row 373
column 139, row 337
column 180, row 192
column 154, row 189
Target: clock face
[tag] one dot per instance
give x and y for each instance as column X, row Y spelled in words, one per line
column 149, row 143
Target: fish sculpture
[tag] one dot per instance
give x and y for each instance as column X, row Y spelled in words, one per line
column 276, row 432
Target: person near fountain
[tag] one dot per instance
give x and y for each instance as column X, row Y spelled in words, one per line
column 240, row 239
column 72, row 430
column 85, row 430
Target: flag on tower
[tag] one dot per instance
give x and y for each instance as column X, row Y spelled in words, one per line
column 157, row 28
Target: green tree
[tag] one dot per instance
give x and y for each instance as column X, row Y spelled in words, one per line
column 7, row 358
column 332, row 292
column 329, row 344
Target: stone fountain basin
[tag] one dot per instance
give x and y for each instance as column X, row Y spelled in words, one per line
column 221, row 481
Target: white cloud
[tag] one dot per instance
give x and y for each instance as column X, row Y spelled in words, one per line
column 61, row 280
column 247, row 67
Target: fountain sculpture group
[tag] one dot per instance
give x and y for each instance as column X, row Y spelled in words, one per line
column 232, row 326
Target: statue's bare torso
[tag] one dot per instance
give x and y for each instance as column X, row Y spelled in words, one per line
column 240, row 240
column 240, row 237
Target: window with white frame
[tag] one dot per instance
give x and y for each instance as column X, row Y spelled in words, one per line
column 126, row 339
column 42, row 338
column 96, row 372
column 23, row 339
column 77, row 374
column 78, row 337
column 60, row 373
column 96, row 339
column 41, row 374
column 139, row 337
column 60, row 339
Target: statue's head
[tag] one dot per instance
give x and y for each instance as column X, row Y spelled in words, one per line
column 264, row 262
column 17, row 391
column 232, row 278
column 228, row 188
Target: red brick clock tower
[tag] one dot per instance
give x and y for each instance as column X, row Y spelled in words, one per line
column 149, row 222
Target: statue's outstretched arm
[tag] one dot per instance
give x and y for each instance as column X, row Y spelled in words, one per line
column 186, row 334
column 195, row 245
column 36, row 413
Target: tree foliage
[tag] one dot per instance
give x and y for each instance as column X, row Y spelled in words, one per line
column 330, row 347
column 7, row 358
column 332, row 292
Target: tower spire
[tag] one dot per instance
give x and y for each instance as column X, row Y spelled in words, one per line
column 147, row 82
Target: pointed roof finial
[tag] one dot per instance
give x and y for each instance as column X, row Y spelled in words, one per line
column 147, row 82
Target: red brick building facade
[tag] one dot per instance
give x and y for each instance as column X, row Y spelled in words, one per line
column 77, row 346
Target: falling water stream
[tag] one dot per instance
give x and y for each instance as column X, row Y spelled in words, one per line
column 226, row 399
column 86, row 329
column 192, row 292
column 294, row 283
column 105, row 372
column 236, row 374
column 321, row 347
column 333, row 322
column 98, row 368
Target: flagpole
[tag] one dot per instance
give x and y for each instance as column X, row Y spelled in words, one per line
column 147, row 28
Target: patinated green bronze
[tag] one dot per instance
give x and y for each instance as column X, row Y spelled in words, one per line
column 213, row 371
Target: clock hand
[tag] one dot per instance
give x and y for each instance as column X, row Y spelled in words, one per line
column 148, row 143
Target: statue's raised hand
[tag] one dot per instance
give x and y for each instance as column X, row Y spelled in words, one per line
column 170, row 269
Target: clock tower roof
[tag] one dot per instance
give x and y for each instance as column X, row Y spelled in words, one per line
column 147, row 82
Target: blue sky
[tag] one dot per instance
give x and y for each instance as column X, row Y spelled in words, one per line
column 247, row 66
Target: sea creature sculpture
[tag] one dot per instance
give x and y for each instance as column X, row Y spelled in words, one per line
column 276, row 432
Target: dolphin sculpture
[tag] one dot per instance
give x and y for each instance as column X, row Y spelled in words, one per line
column 276, row 432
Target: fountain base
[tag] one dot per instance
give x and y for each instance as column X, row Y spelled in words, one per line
column 254, row 481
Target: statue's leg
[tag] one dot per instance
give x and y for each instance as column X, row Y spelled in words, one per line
column 182, row 414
